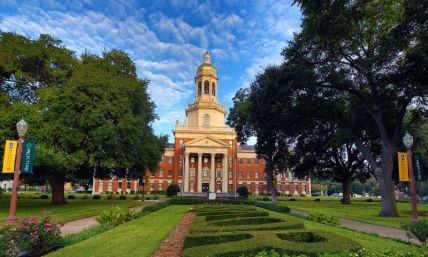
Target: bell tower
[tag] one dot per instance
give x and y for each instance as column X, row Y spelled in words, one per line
column 206, row 81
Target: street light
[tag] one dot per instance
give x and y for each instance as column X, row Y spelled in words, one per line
column 408, row 142
column 21, row 127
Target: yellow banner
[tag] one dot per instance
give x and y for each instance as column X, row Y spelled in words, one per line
column 9, row 156
column 403, row 166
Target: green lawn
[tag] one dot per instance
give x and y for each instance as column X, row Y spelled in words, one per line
column 370, row 242
column 140, row 237
column 73, row 210
column 360, row 211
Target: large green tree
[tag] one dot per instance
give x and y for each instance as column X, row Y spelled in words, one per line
column 370, row 55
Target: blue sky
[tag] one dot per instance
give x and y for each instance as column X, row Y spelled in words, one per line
column 166, row 39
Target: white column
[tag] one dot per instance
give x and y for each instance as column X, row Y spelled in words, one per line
column 225, row 180
column 199, row 189
column 212, row 173
column 186, row 173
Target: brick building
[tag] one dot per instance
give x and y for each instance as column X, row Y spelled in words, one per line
column 205, row 155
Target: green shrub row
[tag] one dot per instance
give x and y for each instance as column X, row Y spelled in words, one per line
column 213, row 239
column 185, row 200
column 420, row 230
column 235, row 215
column 359, row 253
column 246, row 221
column 324, row 219
column 153, row 207
column 116, row 216
column 273, row 207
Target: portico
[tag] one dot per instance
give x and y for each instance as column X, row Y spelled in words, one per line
column 205, row 165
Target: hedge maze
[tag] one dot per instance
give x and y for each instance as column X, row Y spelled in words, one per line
column 242, row 230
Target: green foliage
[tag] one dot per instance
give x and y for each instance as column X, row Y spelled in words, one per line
column 243, row 191
column 235, row 236
column 153, row 207
column 122, row 197
column 359, row 253
column 420, row 230
column 115, row 216
column 324, row 219
column 71, row 197
column 96, row 197
column 273, row 207
column 172, row 190
column 30, row 235
column 185, row 200
column 44, row 197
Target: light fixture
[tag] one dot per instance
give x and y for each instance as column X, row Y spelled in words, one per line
column 408, row 140
column 21, row 127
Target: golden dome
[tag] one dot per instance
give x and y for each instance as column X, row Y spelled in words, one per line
column 206, row 66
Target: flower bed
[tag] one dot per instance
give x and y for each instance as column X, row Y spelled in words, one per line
column 29, row 237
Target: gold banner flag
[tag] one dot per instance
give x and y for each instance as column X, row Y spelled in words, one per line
column 9, row 156
column 403, row 167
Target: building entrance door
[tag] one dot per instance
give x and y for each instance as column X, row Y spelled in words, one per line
column 205, row 187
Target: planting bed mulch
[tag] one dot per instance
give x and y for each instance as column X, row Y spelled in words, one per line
column 172, row 246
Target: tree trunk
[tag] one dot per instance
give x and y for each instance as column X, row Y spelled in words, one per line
column 270, row 184
column 57, row 186
column 386, row 188
column 346, row 188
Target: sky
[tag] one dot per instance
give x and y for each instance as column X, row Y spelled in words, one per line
column 166, row 40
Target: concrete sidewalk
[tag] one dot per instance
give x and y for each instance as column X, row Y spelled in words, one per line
column 79, row 225
column 394, row 233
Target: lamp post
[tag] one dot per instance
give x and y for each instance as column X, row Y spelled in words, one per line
column 21, row 127
column 408, row 142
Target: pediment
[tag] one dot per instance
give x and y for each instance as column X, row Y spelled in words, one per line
column 206, row 141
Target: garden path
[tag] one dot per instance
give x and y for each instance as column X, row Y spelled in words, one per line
column 172, row 246
column 79, row 225
column 382, row 231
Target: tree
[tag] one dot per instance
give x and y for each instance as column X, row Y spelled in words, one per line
column 100, row 119
column 259, row 112
column 243, row 191
column 372, row 56
column 324, row 152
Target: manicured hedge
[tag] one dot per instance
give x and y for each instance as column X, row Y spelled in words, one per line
column 273, row 207
column 245, row 231
column 185, row 200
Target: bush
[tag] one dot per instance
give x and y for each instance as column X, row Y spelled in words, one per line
column 265, row 198
column 172, row 190
column 302, row 195
column 317, row 200
column 273, row 207
column 359, row 253
column 44, row 197
column 292, row 199
column 369, row 200
column 243, row 191
column 71, row 197
column 152, row 208
column 324, row 219
column 115, row 216
column 30, row 237
column 420, row 230
column 185, row 200
column 96, row 197
column 136, row 197
column 122, row 197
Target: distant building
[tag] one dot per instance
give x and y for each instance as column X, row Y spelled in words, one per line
column 205, row 156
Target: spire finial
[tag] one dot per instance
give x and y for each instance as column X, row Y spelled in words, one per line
column 207, row 57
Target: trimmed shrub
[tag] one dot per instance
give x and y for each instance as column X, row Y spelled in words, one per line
column 369, row 200
column 122, row 197
column 420, row 230
column 243, row 191
column 274, row 207
column 152, row 208
column 307, row 237
column 71, row 197
column 324, row 219
column 115, row 216
column 185, row 200
column 172, row 190
column 265, row 198
column 214, row 239
column 44, row 197
column 96, row 197
column 317, row 199
column 292, row 199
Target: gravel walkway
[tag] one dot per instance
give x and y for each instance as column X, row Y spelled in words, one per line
column 79, row 225
column 382, row 231
column 172, row 246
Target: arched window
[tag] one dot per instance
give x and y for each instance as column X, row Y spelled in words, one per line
column 206, row 87
column 206, row 120
column 200, row 88
column 213, row 90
